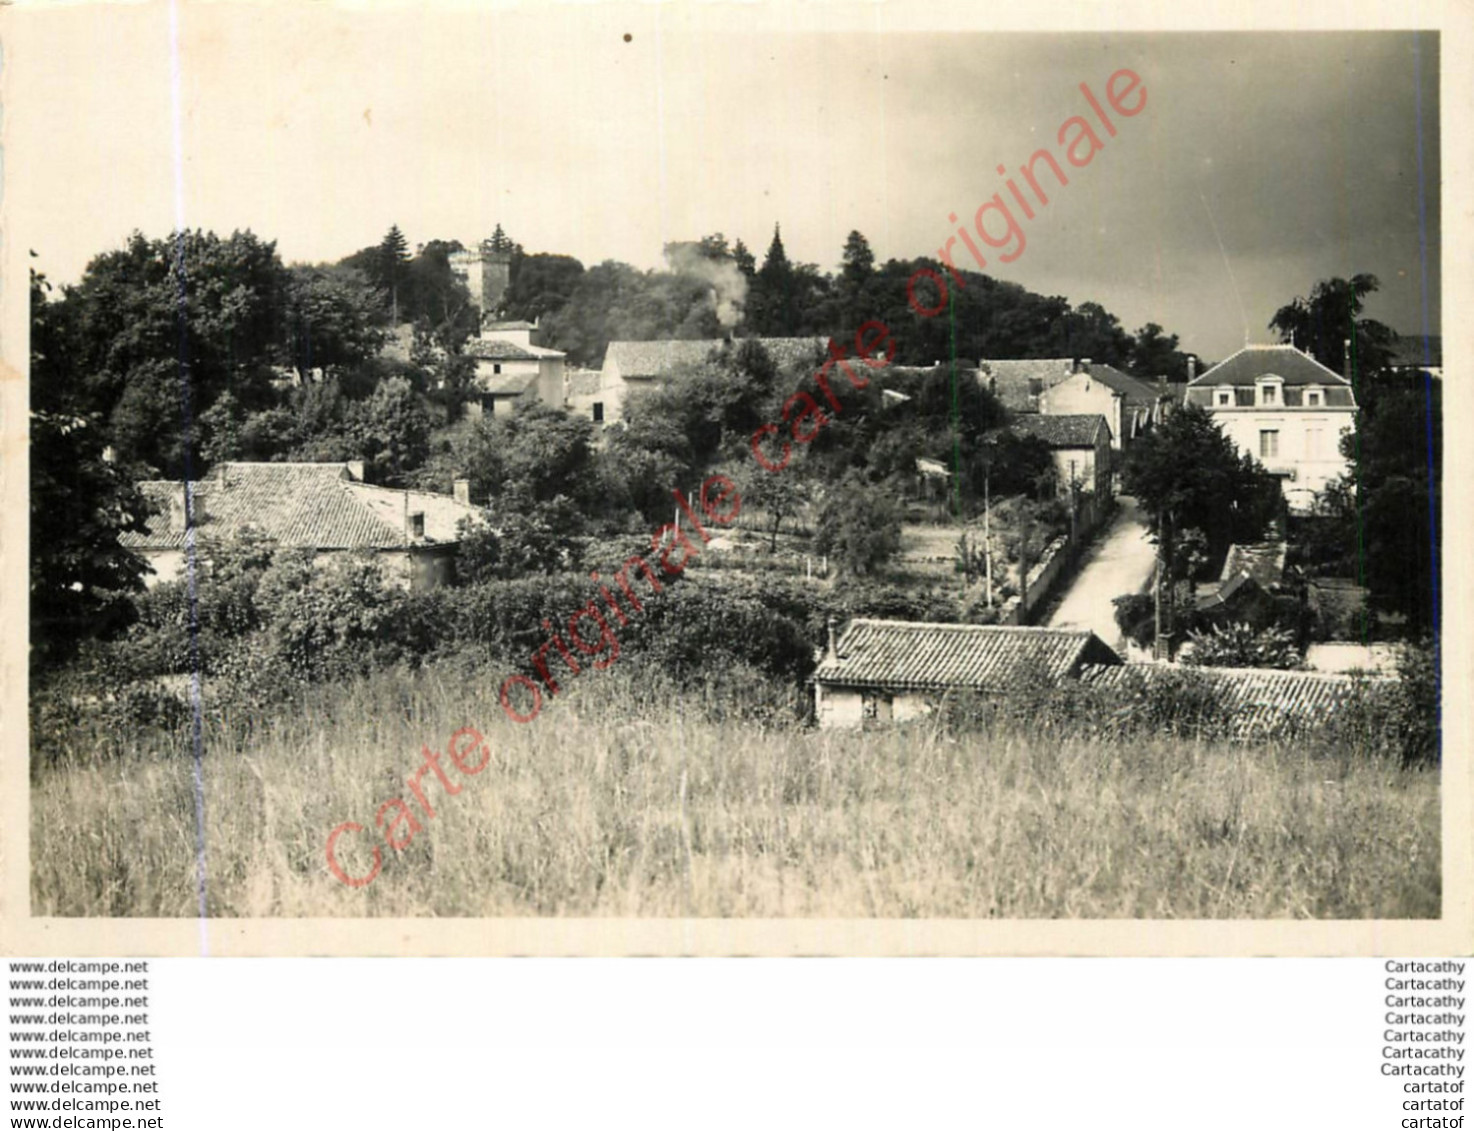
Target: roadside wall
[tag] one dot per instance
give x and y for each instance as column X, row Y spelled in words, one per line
column 1057, row 562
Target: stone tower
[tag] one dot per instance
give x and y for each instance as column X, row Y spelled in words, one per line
column 496, row 277
column 486, row 270
column 496, row 271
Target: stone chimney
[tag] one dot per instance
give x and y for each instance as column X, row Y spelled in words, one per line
column 462, row 489
column 355, row 470
column 1192, row 369
column 832, row 653
column 1346, row 359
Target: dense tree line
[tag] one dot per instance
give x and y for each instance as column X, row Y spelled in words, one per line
column 713, row 288
column 172, row 354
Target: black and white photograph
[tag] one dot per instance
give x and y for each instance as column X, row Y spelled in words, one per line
column 616, row 466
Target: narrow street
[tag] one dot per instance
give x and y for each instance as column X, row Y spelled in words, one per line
column 1120, row 561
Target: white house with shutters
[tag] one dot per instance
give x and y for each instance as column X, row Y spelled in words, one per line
column 1286, row 410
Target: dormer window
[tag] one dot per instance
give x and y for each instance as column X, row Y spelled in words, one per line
column 1314, row 398
column 1269, row 391
column 1267, row 394
column 1223, row 398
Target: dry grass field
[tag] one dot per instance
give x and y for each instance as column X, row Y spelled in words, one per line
column 627, row 802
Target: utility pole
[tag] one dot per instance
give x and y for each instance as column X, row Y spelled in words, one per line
column 988, row 532
column 1157, row 609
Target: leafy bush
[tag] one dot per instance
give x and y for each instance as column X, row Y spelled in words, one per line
column 528, row 538
column 1417, row 712
column 1176, row 703
column 1240, row 646
column 339, row 621
column 1171, row 702
column 859, row 526
column 1136, row 617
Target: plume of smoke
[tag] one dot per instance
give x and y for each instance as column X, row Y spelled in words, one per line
column 728, row 284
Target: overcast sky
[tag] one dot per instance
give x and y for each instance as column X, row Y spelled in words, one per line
column 1313, row 154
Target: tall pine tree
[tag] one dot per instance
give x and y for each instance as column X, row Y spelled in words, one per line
column 392, row 268
column 856, row 271
column 771, row 307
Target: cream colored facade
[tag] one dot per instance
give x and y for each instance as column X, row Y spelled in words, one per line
column 1302, row 447
column 1287, row 411
column 853, row 707
column 1130, row 407
column 509, row 368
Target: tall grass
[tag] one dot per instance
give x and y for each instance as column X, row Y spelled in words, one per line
column 629, row 800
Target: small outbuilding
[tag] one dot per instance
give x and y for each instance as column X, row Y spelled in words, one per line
column 1081, row 446
column 886, row 670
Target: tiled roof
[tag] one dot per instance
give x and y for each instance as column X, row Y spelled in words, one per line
column 499, row 349
column 1018, row 383
column 1263, row 561
column 312, row 505
column 1417, row 351
column 505, row 384
column 1257, row 701
column 1220, row 594
column 637, row 360
column 1074, row 430
column 1134, row 390
column 1253, row 362
column 907, row 655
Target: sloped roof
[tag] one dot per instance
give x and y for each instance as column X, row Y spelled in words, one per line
column 505, row 384
column 1220, row 594
column 1253, row 362
column 908, row 655
column 637, row 360
column 297, row 505
column 1018, row 383
column 1072, row 430
column 1256, row 702
column 1263, row 561
column 499, row 349
column 1133, row 389
column 516, row 324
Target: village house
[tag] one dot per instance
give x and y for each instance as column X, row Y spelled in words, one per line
column 1019, row 384
column 322, row 507
column 1245, row 590
column 581, row 393
column 509, row 369
column 1286, row 410
column 1080, row 445
column 631, row 366
column 885, row 670
column 1130, row 406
